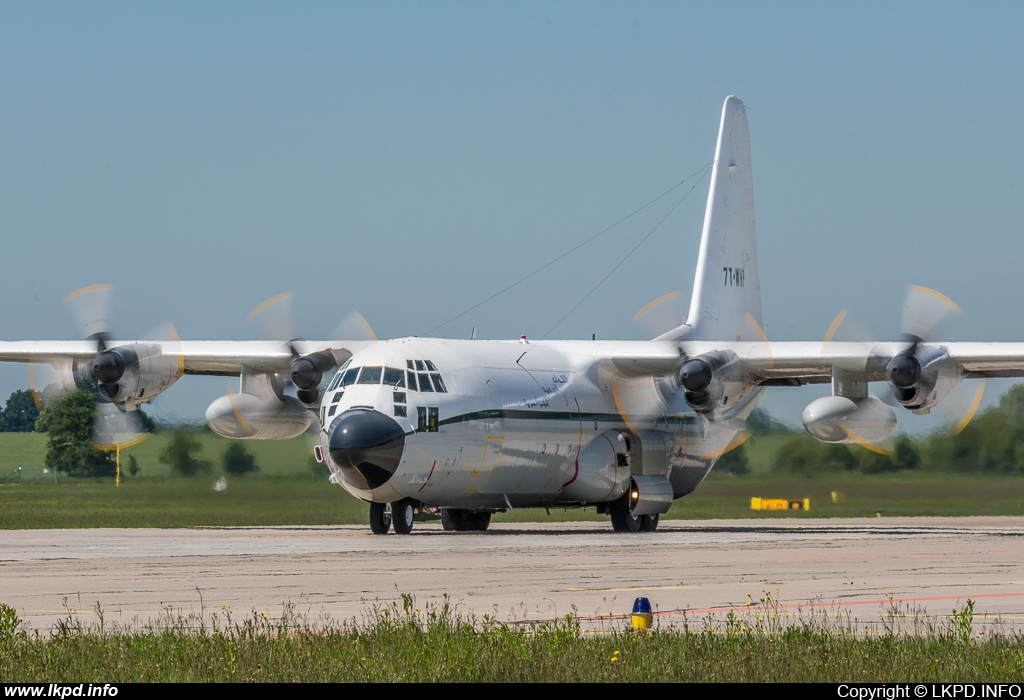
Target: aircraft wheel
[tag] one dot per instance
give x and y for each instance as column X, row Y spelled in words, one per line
column 622, row 519
column 380, row 518
column 479, row 521
column 649, row 523
column 451, row 519
column 402, row 514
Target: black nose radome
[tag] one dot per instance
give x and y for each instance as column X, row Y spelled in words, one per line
column 367, row 446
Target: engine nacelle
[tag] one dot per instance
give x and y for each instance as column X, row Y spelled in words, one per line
column 307, row 373
column 921, row 380
column 713, row 381
column 131, row 375
column 601, row 470
column 842, row 419
column 248, row 417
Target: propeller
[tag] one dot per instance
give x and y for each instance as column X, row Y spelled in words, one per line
column 277, row 318
column 115, row 424
column 662, row 314
column 925, row 313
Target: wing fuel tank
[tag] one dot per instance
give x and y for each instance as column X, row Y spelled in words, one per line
column 843, row 419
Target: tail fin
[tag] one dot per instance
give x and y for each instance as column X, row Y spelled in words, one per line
column 726, row 300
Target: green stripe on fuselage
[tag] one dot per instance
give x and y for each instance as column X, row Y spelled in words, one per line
column 567, row 416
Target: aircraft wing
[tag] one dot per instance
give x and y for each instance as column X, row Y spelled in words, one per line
column 807, row 362
column 211, row 357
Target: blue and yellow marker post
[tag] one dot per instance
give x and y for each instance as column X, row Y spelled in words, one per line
column 642, row 615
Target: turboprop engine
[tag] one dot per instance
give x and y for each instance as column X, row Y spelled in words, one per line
column 923, row 376
column 261, row 411
column 850, row 420
column 714, row 380
column 307, row 373
column 130, row 375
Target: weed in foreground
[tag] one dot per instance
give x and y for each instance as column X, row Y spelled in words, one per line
column 400, row 642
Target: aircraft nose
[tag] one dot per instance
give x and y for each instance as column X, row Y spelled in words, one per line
column 367, row 446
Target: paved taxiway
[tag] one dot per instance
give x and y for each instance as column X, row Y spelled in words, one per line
column 524, row 571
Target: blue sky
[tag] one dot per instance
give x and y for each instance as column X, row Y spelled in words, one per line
column 408, row 160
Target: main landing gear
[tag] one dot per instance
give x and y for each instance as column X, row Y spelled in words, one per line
column 399, row 514
column 461, row 520
column 624, row 521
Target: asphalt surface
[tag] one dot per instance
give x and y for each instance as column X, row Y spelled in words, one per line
column 853, row 569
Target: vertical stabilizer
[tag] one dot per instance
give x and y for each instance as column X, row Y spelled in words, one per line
column 727, row 288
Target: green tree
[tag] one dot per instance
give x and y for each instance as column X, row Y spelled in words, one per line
column 43, row 421
column 905, row 455
column 237, row 460
column 133, row 465
column 20, row 413
column 761, row 422
column 181, row 455
column 876, row 463
column 69, row 448
column 800, row 455
column 839, row 456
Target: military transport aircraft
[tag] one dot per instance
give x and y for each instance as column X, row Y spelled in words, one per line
column 461, row 429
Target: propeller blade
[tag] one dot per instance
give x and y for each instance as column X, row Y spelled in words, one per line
column 353, row 327
column 276, row 317
column 91, row 308
column 872, row 446
column 50, row 381
column 115, row 428
column 661, row 315
column 621, row 408
column 979, row 393
column 925, row 312
column 885, row 393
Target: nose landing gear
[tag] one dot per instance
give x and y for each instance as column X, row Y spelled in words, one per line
column 385, row 515
column 380, row 518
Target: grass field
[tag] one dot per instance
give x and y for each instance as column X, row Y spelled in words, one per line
column 274, row 457
column 292, row 490
column 308, row 500
column 403, row 644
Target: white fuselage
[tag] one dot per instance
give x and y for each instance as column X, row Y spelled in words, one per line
column 512, row 419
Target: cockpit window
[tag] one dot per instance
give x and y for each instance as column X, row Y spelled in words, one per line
column 370, row 375
column 424, row 381
column 350, row 377
column 394, row 377
column 409, row 365
column 335, row 382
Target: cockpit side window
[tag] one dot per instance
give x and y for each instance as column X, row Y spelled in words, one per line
column 370, row 375
column 439, row 386
column 425, row 383
column 412, row 380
